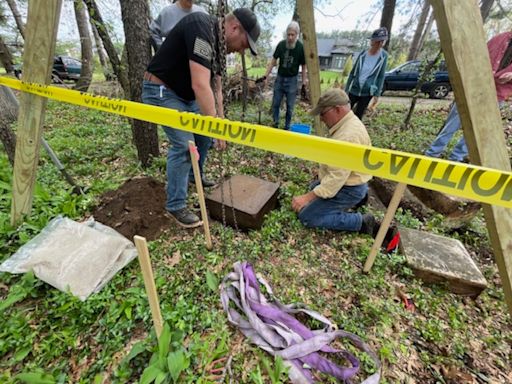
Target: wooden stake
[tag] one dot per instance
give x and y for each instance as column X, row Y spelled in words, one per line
column 149, row 283
column 390, row 213
column 194, row 156
column 306, row 13
column 42, row 24
column 462, row 36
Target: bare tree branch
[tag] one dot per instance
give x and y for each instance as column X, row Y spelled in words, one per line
column 256, row 3
column 337, row 14
column 17, row 17
column 503, row 10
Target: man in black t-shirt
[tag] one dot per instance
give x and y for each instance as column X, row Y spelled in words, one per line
column 179, row 77
column 290, row 53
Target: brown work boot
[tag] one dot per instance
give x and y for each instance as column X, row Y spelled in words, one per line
column 207, row 183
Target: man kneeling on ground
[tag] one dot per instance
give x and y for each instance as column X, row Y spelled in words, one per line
column 327, row 203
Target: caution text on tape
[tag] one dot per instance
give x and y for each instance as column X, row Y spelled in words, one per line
column 464, row 180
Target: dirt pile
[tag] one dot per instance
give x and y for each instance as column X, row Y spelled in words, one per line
column 136, row 208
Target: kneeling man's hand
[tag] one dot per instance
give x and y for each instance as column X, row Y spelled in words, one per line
column 299, row 202
column 220, row 145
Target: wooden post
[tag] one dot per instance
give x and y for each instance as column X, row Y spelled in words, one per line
column 307, row 25
column 390, row 213
column 464, row 45
column 149, row 283
column 41, row 33
column 194, row 156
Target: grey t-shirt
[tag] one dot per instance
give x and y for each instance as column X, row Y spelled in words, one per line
column 167, row 19
column 369, row 63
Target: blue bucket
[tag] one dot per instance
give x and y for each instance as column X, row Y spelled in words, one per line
column 300, row 128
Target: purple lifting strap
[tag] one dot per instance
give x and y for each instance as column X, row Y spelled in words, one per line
column 272, row 326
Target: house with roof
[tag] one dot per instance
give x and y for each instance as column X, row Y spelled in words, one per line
column 333, row 53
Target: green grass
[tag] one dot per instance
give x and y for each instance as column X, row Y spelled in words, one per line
column 326, row 77
column 49, row 334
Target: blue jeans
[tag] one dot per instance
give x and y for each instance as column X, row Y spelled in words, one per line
column 332, row 213
column 284, row 86
column 178, row 156
column 460, row 151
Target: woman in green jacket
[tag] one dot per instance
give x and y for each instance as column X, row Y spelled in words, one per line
column 366, row 78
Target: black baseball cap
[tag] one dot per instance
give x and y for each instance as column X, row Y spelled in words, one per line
column 249, row 22
column 379, row 34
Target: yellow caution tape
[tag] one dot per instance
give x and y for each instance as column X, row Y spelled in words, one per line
column 473, row 182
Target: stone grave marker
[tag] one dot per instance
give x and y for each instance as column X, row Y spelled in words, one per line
column 435, row 258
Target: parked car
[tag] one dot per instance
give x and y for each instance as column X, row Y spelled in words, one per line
column 405, row 78
column 64, row 68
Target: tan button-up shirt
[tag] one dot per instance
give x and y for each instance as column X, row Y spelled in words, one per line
column 332, row 179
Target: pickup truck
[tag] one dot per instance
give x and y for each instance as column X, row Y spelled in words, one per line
column 405, row 78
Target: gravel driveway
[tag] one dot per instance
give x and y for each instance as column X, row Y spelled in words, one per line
column 405, row 98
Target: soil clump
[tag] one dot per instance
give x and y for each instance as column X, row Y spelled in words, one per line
column 136, row 208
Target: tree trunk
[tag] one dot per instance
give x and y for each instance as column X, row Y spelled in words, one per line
column 388, row 11
column 8, row 115
column 17, row 17
column 119, row 71
column 6, row 57
column 415, row 44
column 449, row 206
column 426, row 32
column 135, row 14
column 427, row 71
column 245, row 88
column 422, row 203
column 295, row 16
column 384, row 190
column 485, row 9
column 124, row 59
column 86, row 46
column 101, row 53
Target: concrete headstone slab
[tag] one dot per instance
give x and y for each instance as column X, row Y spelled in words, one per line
column 435, row 258
column 249, row 197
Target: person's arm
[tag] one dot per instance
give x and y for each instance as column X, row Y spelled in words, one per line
column 504, row 75
column 155, row 32
column 219, row 98
column 504, row 78
column 304, row 74
column 299, row 202
column 332, row 182
column 200, row 76
column 373, row 103
column 328, row 188
column 351, row 74
column 270, row 65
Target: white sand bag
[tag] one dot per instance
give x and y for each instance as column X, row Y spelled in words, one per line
column 76, row 257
